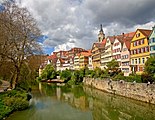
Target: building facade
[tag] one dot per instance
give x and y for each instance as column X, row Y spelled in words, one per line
column 152, row 42
column 106, row 55
column 139, row 50
column 98, row 48
column 125, row 57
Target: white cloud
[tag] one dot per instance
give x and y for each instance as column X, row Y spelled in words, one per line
column 70, row 23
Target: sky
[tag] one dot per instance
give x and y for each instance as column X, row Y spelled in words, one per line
column 75, row 23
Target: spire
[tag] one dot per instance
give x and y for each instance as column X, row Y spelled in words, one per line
column 101, row 30
column 101, row 34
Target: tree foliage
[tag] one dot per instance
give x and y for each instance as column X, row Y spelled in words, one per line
column 149, row 69
column 49, row 72
column 150, row 65
column 18, row 38
column 113, row 65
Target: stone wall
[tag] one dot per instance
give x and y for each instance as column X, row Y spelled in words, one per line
column 137, row 91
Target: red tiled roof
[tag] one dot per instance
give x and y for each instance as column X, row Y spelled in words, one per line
column 86, row 53
column 111, row 38
column 128, row 42
column 52, row 57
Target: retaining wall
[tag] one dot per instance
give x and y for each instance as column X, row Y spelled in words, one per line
column 137, row 91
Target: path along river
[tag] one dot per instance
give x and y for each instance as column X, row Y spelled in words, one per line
column 51, row 102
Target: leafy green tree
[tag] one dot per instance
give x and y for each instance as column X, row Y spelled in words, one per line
column 149, row 69
column 66, row 75
column 113, row 65
column 98, row 72
column 49, row 72
column 150, row 65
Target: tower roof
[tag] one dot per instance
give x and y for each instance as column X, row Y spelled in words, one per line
column 101, row 30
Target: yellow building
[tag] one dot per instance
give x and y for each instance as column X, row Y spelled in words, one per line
column 76, row 62
column 84, row 59
column 139, row 49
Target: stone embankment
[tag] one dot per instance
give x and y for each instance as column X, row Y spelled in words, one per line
column 138, row 91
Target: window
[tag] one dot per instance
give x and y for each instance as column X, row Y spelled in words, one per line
column 142, row 41
column 139, row 51
column 142, row 50
column 143, row 60
column 146, row 49
column 135, row 51
column 137, row 35
column 135, row 61
column 152, row 48
column 138, row 68
column 131, row 52
column 153, row 40
column 139, row 61
column 135, row 43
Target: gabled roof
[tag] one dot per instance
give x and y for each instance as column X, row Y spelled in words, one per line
column 111, row 38
column 125, row 37
column 145, row 32
column 127, row 42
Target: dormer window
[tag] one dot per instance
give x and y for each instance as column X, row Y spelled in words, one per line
column 138, row 35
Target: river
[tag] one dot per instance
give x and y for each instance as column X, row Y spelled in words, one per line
column 51, row 102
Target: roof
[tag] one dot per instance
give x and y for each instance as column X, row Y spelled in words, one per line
column 86, row 53
column 125, row 37
column 145, row 31
column 127, row 42
column 111, row 38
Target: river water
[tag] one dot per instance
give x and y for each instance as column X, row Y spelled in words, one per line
column 51, row 102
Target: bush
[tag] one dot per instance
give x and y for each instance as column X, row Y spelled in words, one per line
column 16, row 103
column 134, row 77
column 12, row 101
column 120, row 76
column 147, row 78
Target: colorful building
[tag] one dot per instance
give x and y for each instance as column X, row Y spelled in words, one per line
column 117, row 47
column 139, row 50
column 76, row 62
column 106, row 55
column 152, row 42
column 62, row 64
column 125, row 54
column 98, row 48
column 84, row 59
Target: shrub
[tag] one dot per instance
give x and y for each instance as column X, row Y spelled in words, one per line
column 147, row 78
column 134, row 77
column 16, row 103
column 120, row 76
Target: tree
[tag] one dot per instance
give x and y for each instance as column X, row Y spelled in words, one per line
column 49, row 72
column 18, row 37
column 149, row 70
column 150, row 65
column 113, row 65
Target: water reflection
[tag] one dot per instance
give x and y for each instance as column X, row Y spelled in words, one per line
column 82, row 103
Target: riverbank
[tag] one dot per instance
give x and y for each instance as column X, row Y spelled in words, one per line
column 138, row 91
column 11, row 101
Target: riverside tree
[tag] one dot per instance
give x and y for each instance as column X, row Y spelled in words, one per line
column 18, row 37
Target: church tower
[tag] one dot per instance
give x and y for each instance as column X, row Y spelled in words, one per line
column 101, row 34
